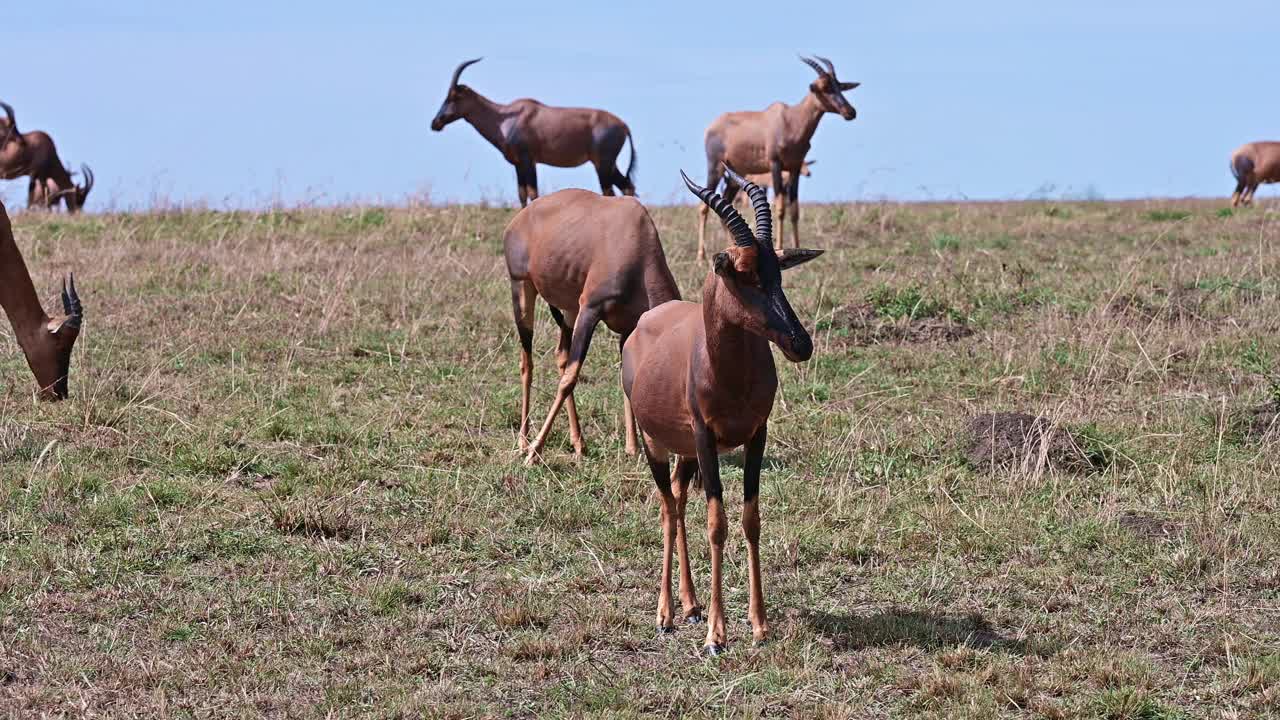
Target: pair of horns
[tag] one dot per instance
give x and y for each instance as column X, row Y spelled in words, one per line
column 738, row 228
column 71, row 303
column 831, row 68
column 458, row 73
column 13, row 123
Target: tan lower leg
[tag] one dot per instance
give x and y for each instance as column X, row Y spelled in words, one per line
column 751, row 529
column 526, row 383
column 688, row 598
column 781, row 214
column 563, row 393
column 716, row 533
column 629, row 425
column 666, row 607
column 702, row 231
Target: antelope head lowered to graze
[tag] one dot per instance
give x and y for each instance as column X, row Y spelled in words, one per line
column 45, row 340
column 1254, row 164
column 772, row 141
column 33, row 154
column 527, row 132
column 701, row 380
column 593, row 259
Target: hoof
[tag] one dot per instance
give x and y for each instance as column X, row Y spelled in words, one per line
column 694, row 618
column 666, row 630
column 714, row 650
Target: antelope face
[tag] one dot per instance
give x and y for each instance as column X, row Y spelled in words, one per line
column 755, row 300
column 50, row 358
column 831, row 92
column 448, row 110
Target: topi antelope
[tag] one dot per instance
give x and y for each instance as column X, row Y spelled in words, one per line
column 701, row 380
column 46, row 341
column 527, row 132
column 592, row 258
column 765, row 180
column 772, row 141
column 1253, row 164
column 33, row 154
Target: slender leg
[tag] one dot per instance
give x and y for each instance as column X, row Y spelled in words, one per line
column 522, row 185
column 685, row 469
column 780, row 200
column 660, row 466
column 751, row 530
column 1253, row 188
column 623, row 182
column 604, row 173
column 793, row 198
column 562, row 361
column 709, row 468
column 628, row 417
column 702, row 231
column 533, row 181
column 522, row 296
column 1235, row 196
column 585, row 326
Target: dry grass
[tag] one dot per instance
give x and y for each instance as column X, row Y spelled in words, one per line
column 287, row 484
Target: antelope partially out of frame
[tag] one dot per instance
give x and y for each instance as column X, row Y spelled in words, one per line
column 46, row 341
column 1254, row 164
column 765, row 180
column 772, row 141
column 527, row 132
column 593, row 259
column 33, row 154
column 701, row 380
column 9, row 124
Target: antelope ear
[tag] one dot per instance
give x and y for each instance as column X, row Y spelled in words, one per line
column 792, row 257
column 723, row 265
column 848, row 86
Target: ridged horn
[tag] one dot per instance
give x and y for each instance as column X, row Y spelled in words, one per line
column 458, row 73
column 71, row 302
column 816, row 68
column 759, row 203
column 13, row 123
column 732, row 220
column 830, row 67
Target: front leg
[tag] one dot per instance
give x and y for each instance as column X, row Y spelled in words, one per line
column 660, row 465
column 709, row 467
column 780, row 199
column 793, row 199
column 751, row 530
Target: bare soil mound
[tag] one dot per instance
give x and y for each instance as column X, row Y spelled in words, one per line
column 1000, row 441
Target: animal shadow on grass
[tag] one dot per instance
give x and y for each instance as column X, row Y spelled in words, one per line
column 738, row 459
column 907, row 628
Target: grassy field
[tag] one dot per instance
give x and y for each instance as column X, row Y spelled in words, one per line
column 287, row 482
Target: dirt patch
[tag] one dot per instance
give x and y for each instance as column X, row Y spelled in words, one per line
column 866, row 327
column 1183, row 305
column 1262, row 422
column 1148, row 527
column 1000, row 441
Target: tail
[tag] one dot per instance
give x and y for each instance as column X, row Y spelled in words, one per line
column 1241, row 166
column 631, row 165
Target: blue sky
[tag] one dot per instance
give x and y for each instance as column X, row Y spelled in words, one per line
column 249, row 103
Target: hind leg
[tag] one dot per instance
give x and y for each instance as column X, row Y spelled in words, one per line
column 623, row 183
column 562, row 361
column 685, row 470
column 628, row 417
column 583, row 328
column 604, row 173
column 1248, row 194
column 522, row 296
column 1235, row 196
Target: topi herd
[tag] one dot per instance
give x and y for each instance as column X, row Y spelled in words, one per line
column 698, row 378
